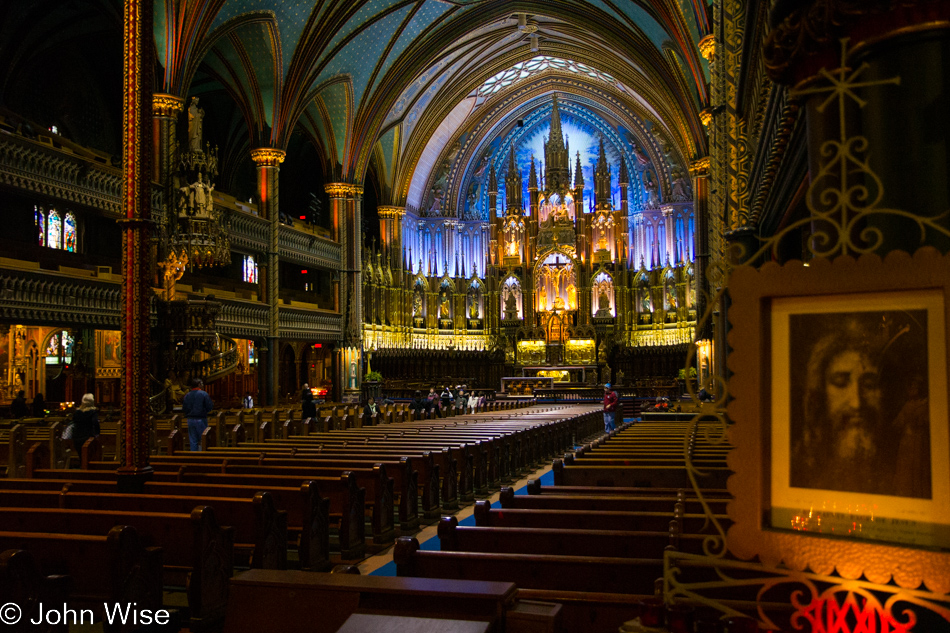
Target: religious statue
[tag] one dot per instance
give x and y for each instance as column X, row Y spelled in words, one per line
column 195, row 117
column 603, row 300
column 649, row 183
column 444, row 307
column 606, row 374
column 560, row 214
column 195, row 199
column 645, row 301
column 670, row 299
column 680, row 192
column 642, row 157
column 473, row 308
column 571, row 297
column 511, row 306
column 417, row 304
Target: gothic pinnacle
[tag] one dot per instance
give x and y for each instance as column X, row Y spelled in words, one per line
column 533, row 176
column 578, row 173
column 555, row 123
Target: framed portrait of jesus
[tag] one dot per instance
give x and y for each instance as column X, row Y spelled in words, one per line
column 856, row 433
column 840, row 415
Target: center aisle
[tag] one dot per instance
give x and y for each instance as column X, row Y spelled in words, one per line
column 382, row 564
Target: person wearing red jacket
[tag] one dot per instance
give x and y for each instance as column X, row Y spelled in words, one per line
column 610, row 408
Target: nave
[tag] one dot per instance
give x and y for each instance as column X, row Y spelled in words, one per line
column 215, row 535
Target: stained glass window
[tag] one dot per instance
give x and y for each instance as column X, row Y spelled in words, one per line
column 69, row 233
column 523, row 70
column 54, row 230
column 40, row 216
column 52, row 349
column 60, row 348
column 250, row 269
column 251, row 353
column 67, row 348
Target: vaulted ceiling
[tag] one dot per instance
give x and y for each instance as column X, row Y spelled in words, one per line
column 362, row 78
column 371, row 82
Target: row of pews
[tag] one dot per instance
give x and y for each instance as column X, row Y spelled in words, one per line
column 594, row 542
column 168, row 435
column 306, row 500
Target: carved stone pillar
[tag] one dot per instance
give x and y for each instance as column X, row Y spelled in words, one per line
column 134, row 468
column 346, row 203
column 699, row 170
column 390, row 230
column 337, row 192
column 165, row 111
column 268, row 160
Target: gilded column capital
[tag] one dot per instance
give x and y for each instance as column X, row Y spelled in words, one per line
column 268, row 156
column 707, row 47
column 343, row 190
column 166, row 105
column 387, row 212
column 706, row 116
column 337, row 189
column 700, row 167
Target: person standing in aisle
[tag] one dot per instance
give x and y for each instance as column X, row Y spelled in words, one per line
column 610, row 408
column 196, row 406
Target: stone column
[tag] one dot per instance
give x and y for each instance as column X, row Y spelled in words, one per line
column 390, row 231
column 134, row 468
column 699, row 170
column 347, row 201
column 337, row 192
column 165, row 111
column 268, row 160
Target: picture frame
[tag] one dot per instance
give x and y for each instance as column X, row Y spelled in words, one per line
column 840, row 401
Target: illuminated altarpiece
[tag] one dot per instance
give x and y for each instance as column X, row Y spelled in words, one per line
column 541, row 267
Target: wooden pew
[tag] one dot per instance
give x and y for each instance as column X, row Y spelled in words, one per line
column 13, row 447
column 440, row 481
column 23, row 584
column 405, row 479
column 578, row 542
column 534, row 487
column 379, row 486
column 616, row 503
column 536, row 571
column 110, row 569
column 197, row 552
column 634, row 476
column 486, row 516
column 259, row 528
column 320, row 603
column 308, row 514
column 346, row 499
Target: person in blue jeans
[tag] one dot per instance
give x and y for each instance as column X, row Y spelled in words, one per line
column 195, row 407
column 610, row 408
